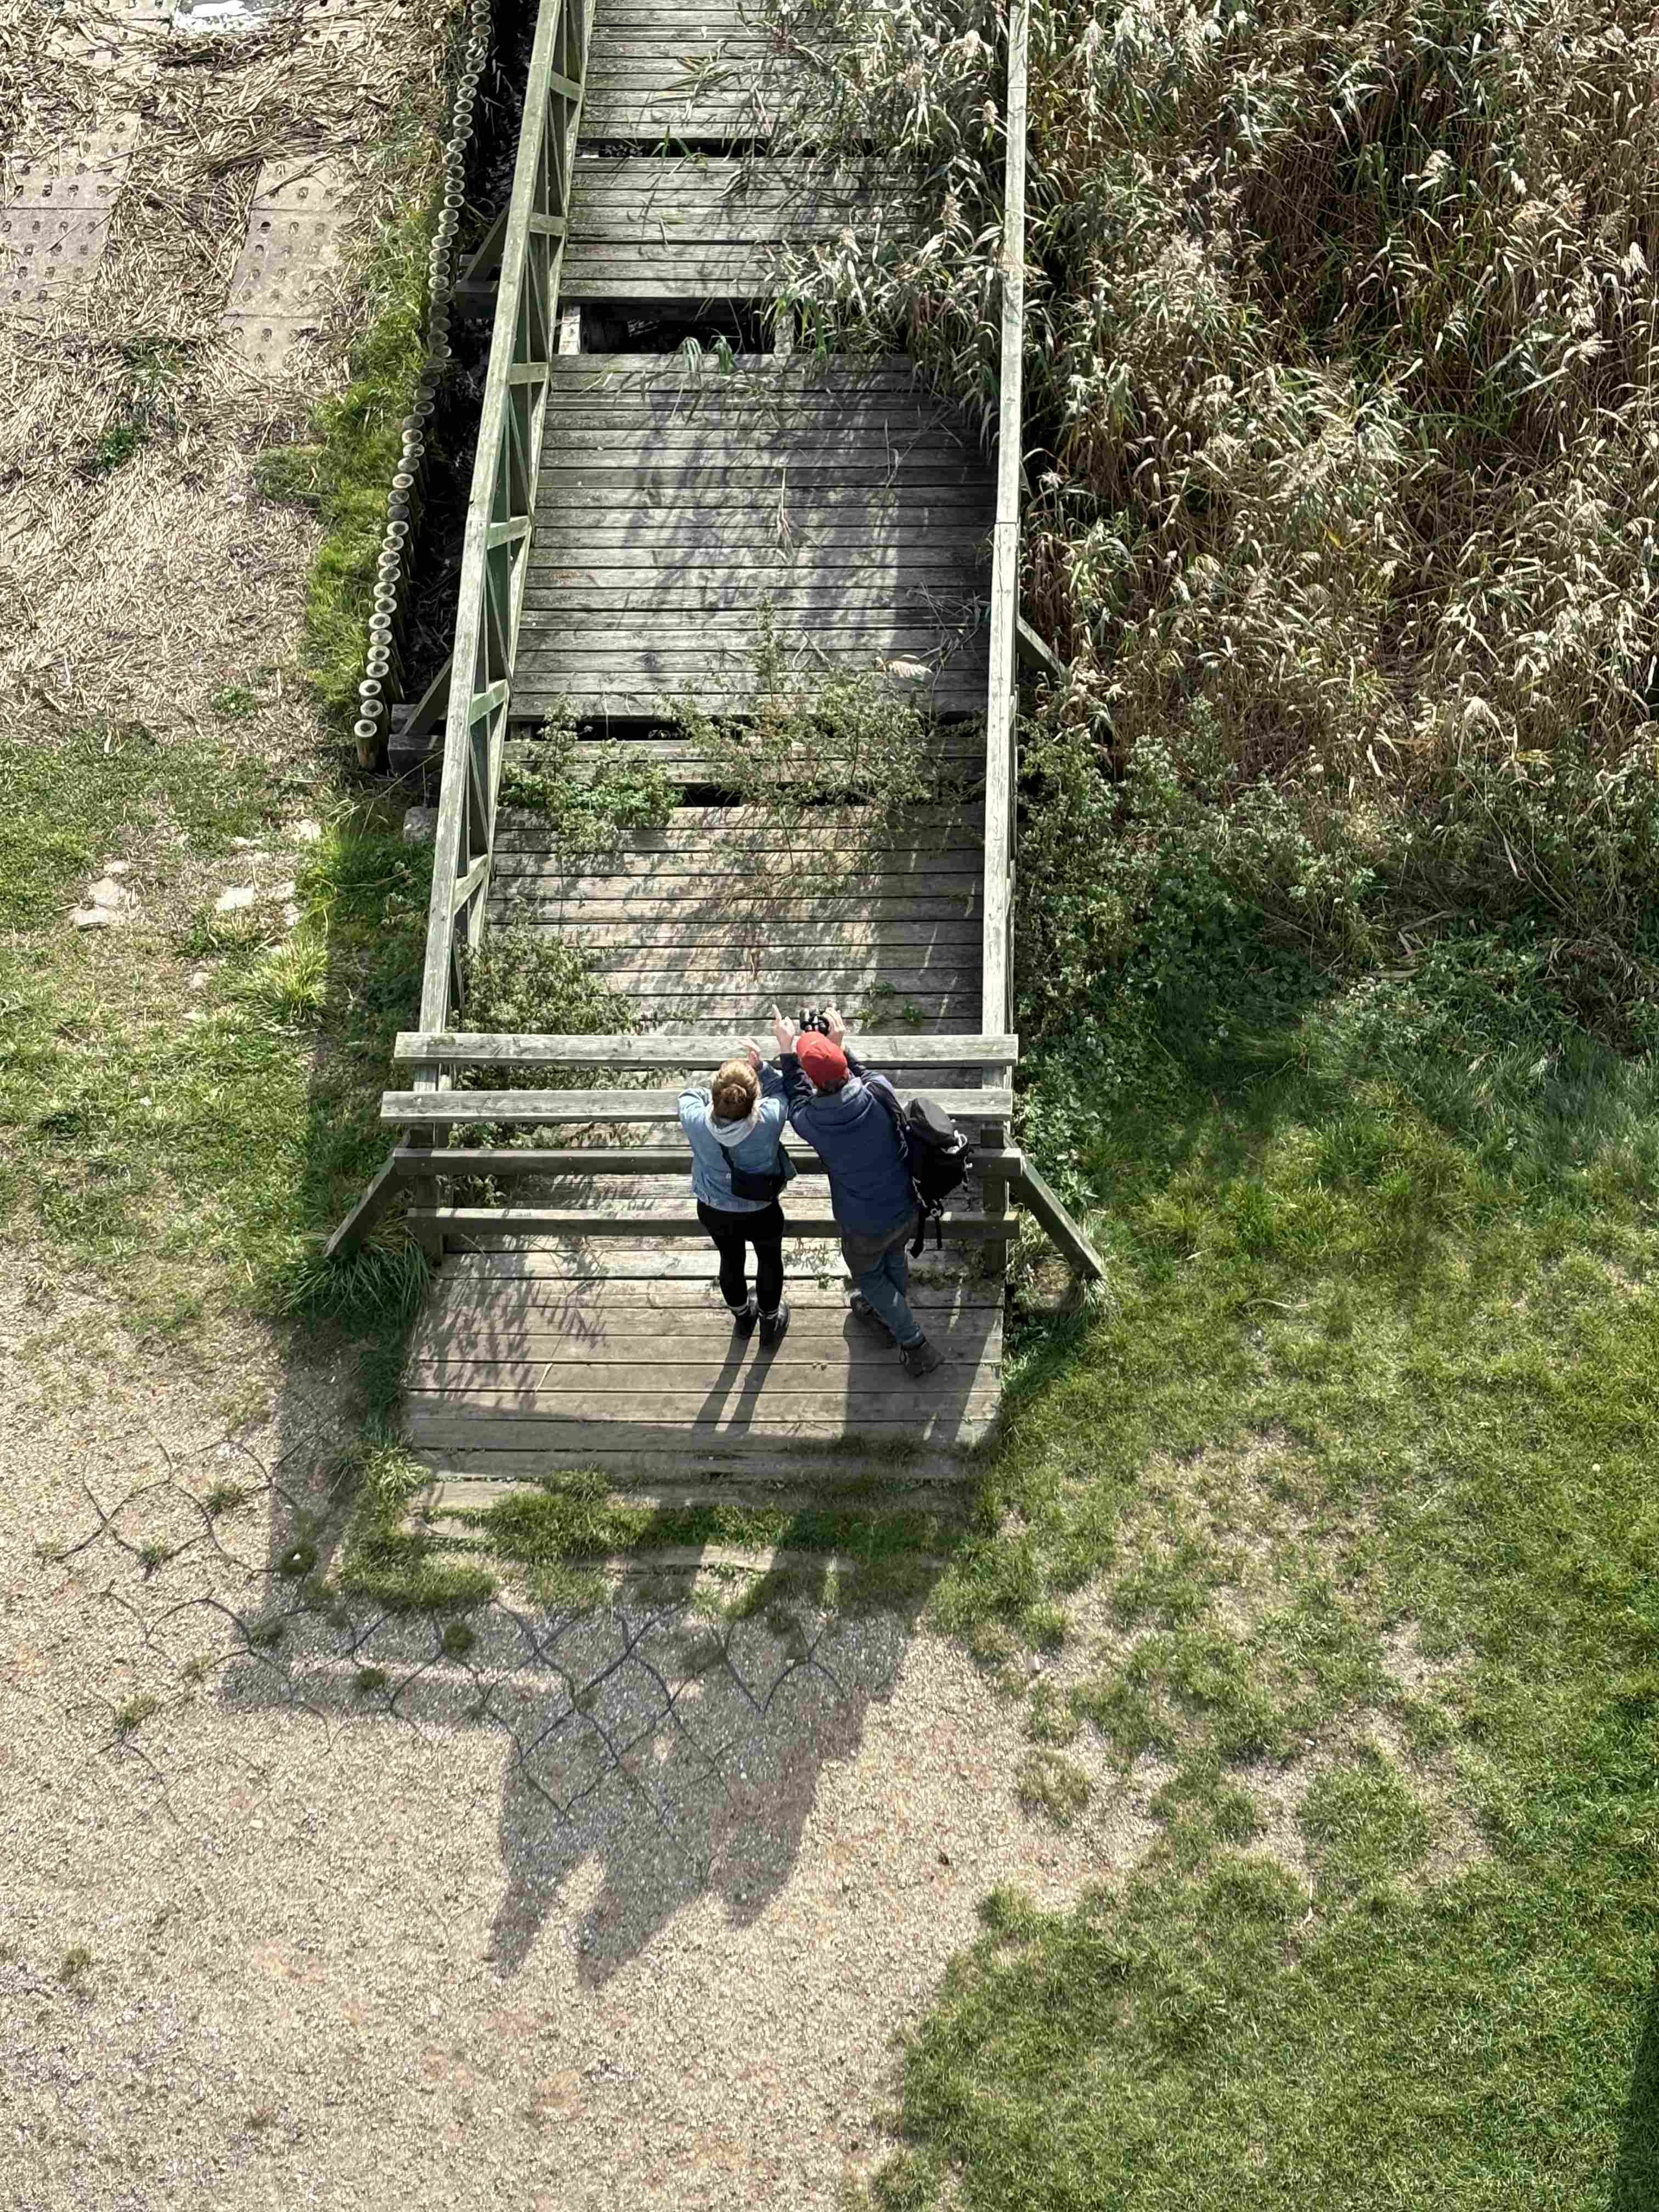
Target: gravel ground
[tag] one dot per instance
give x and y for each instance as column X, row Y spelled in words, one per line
column 622, row 1908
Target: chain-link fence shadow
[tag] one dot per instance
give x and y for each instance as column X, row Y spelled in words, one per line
column 672, row 1745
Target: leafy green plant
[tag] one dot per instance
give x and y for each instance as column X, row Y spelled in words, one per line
column 586, row 795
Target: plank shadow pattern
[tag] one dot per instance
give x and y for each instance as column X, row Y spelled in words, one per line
column 673, row 507
column 701, row 227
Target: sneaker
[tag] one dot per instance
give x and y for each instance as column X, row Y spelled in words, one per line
column 920, row 1358
column 773, row 1326
column 863, row 1310
column 744, row 1318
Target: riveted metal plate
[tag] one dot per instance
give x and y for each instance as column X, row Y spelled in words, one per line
column 54, row 222
column 293, row 243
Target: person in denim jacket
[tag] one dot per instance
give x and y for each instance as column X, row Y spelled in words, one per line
column 739, row 1124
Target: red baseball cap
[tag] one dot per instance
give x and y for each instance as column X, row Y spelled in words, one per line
column 824, row 1062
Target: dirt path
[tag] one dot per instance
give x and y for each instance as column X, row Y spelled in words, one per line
column 623, row 1908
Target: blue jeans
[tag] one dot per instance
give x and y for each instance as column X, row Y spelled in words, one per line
column 886, row 1277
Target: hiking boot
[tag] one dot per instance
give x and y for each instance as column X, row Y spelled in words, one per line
column 744, row 1318
column 920, row 1358
column 772, row 1326
column 863, row 1310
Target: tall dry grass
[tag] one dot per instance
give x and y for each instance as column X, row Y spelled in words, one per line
column 1342, row 444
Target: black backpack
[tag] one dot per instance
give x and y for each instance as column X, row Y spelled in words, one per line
column 936, row 1154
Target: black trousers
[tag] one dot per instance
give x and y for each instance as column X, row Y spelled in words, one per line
column 733, row 1233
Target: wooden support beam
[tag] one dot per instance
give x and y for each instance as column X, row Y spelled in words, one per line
column 390, row 1181
column 1035, row 654
column 1040, row 1201
column 696, row 1048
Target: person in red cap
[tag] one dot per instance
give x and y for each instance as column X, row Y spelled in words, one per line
column 834, row 1103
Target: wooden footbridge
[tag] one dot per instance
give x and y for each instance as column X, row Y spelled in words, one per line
column 632, row 512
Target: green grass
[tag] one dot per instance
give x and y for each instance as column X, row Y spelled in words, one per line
column 1359, row 1452
column 77, row 798
column 141, row 1140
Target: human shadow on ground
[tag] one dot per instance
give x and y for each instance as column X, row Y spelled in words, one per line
column 679, row 1750
column 1636, row 2178
column 669, row 1747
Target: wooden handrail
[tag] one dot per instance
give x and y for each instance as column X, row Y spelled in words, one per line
column 1001, row 697
column 501, row 506
column 432, row 1108
column 511, row 1164
column 692, row 1049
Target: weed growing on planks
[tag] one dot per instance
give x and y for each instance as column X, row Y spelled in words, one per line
column 585, row 795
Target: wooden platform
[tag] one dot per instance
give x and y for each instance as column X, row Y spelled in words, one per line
column 672, row 507
column 703, row 74
column 697, row 226
column 552, row 1356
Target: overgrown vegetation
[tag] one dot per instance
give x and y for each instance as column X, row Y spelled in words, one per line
column 848, row 734
column 586, row 795
column 344, row 473
column 1341, row 444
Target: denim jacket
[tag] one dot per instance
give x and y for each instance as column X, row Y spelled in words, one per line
column 760, row 1151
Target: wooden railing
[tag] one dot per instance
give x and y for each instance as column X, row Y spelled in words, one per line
column 496, row 551
column 1002, row 695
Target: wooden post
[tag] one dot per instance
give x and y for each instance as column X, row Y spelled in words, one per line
column 1002, row 697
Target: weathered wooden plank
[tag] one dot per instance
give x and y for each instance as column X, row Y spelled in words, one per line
column 685, row 875
column 736, row 1470
column 474, row 1049
column 858, row 488
column 921, row 823
column 792, row 938
column 510, row 1164
column 528, row 840
column 651, row 636
column 673, row 1373
column 814, row 372
column 791, row 945
column 551, row 1221
column 683, row 445
column 900, row 1419
column 732, row 602
column 565, row 1287
column 622, row 1331
column 582, row 911
column 821, row 980
column 543, row 1109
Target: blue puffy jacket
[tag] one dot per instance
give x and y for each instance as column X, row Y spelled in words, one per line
column 853, row 1133
column 711, row 1161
